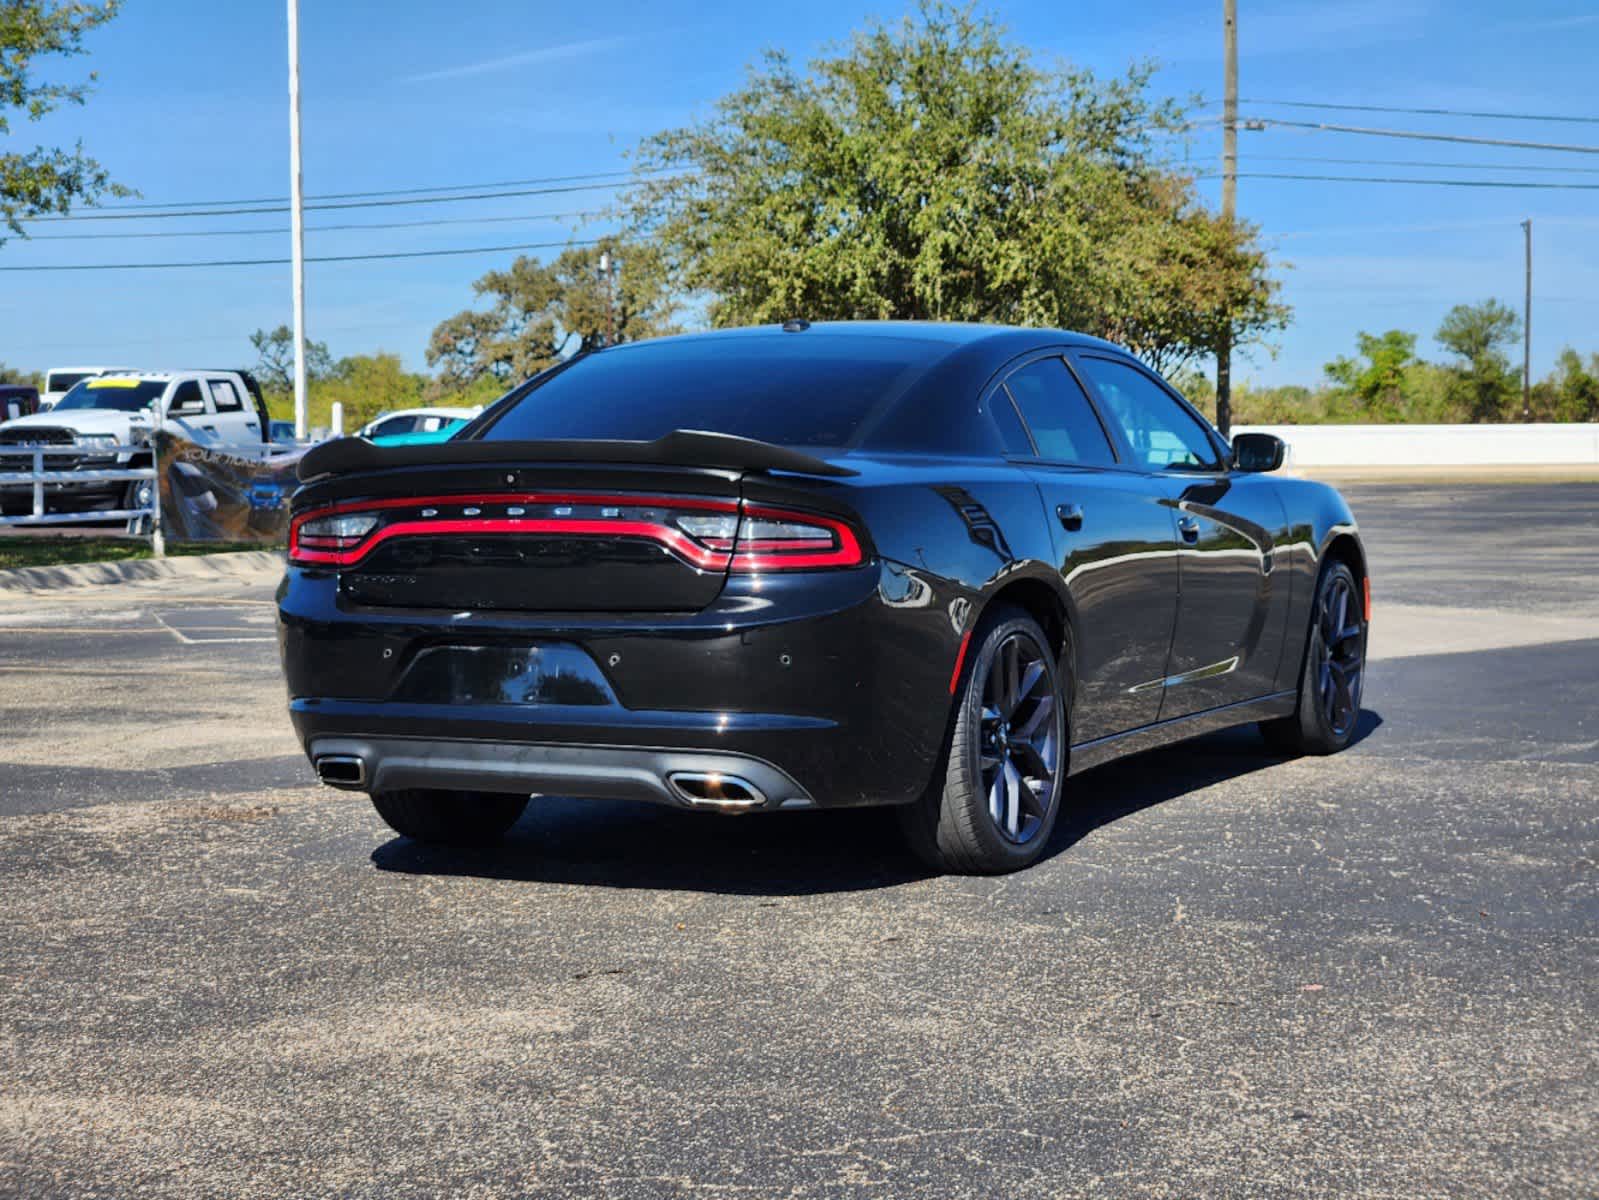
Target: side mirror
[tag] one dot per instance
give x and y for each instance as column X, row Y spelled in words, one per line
column 1258, row 452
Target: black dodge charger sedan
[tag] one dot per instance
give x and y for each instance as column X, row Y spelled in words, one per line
column 941, row 567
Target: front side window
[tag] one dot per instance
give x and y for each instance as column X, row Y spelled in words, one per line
column 393, row 427
column 186, row 399
column 1058, row 414
column 1164, row 436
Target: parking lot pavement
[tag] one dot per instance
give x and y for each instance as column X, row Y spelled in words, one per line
column 1370, row 975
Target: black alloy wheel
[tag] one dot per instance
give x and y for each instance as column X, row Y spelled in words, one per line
column 1017, row 746
column 995, row 797
column 1333, row 680
column 1340, row 653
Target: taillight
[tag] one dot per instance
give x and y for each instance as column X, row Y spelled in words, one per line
column 711, row 535
column 335, row 533
column 775, row 539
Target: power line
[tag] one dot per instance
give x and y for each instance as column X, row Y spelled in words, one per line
column 1465, row 183
column 1428, row 112
column 1425, row 137
column 1406, row 162
column 280, row 262
column 237, row 212
column 409, row 191
column 278, row 231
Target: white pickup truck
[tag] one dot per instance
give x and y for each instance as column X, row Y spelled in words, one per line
column 222, row 409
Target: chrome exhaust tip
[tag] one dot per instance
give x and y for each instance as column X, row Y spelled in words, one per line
column 712, row 789
column 341, row 771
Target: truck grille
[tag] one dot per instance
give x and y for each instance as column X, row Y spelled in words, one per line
column 48, row 436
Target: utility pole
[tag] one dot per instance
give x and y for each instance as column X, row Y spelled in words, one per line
column 1229, row 200
column 1526, row 332
column 297, row 221
column 608, row 268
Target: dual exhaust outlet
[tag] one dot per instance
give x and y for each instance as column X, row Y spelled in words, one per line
column 699, row 789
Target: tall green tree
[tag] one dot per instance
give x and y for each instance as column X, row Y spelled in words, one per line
column 1377, row 375
column 1479, row 336
column 541, row 312
column 274, row 362
column 931, row 170
column 370, row 384
column 45, row 180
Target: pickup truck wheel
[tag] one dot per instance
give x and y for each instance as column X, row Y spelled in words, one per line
column 137, row 496
column 449, row 818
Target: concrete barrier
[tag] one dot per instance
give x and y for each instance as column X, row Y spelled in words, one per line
column 1436, row 445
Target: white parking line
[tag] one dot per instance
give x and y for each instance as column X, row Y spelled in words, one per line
column 186, row 640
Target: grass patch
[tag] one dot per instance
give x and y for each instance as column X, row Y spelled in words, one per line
column 58, row 551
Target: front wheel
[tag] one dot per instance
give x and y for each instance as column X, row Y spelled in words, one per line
column 995, row 803
column 449, row 818
column 1334, row 674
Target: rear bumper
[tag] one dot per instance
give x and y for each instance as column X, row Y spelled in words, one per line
column 817, row 690
column 679, row 778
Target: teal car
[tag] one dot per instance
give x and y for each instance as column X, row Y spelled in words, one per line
column 427, row 438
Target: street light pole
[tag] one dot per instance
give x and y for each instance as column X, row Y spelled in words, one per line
column 297, row 221
column 1229, row 200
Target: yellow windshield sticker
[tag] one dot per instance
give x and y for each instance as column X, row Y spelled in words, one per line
column 117, row 381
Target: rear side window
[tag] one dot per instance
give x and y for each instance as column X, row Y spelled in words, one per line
column 1011, row 430
column 1059, row 415
column 799, row 389
column 225, row 396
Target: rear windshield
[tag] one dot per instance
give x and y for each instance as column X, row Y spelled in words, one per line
column 794, row 390
column 120, row 395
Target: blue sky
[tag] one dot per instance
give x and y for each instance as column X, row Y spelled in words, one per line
column 191, row 107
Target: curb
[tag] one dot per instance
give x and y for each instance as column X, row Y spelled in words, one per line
column 236, row 564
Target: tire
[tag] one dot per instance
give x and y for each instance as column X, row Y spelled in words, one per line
column 449, row 818
column 1334, row 672
column 131, row 500
column 997, row 792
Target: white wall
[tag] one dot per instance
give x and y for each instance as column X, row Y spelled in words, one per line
column 1434, row 445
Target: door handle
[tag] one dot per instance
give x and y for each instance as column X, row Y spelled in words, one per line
column 1071, row 516
column 1189, row 528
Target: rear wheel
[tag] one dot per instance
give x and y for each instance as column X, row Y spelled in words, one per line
column 1334, row 674
column 449, row 818
column 993, row 806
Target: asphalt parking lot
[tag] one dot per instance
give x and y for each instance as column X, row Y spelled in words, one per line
column 1374, row 975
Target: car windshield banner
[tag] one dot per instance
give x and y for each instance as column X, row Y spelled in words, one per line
column 226, row 494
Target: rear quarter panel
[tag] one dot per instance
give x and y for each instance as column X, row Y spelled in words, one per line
column 948, row 535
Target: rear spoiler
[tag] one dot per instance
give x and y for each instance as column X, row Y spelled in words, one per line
column 680, row 448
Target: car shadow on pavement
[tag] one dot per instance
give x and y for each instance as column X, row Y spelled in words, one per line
column 1132, row 784
column 615, row 843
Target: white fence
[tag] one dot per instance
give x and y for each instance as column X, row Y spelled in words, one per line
column 1436, row 445
column 40, row 477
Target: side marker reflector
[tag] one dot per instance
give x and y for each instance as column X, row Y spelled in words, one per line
column 960, row 661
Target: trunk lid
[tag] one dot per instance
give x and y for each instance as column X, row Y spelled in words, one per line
column 558, row 537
